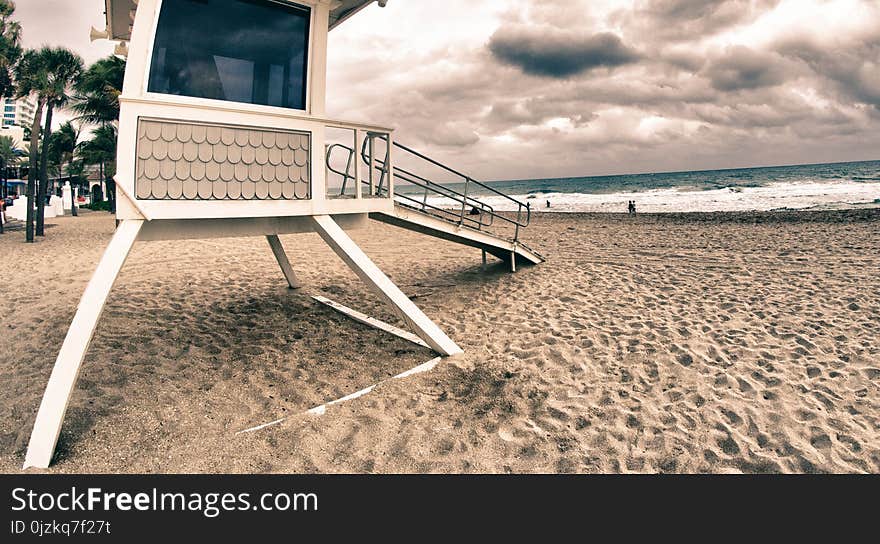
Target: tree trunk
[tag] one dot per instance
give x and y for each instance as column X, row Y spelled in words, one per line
column 44, row 173
column 72, row 190
column 32, row 172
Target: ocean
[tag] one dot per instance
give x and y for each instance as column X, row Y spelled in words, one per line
column 822, row 186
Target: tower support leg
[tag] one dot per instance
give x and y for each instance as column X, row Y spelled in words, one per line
column 67, row 366
column 380, row 284
column 281, row 257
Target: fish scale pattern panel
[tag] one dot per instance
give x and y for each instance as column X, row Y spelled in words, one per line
column 197, row 161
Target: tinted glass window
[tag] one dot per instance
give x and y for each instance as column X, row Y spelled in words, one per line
column 251, row 51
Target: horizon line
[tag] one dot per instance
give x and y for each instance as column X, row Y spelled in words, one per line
column 681, row 171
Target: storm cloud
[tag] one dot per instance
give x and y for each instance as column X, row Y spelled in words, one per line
column 553, row 52
column 511, row 89
column 853, row 71
column 743, row 68
column 688, row 20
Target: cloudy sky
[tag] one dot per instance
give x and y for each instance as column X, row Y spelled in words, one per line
column 511, row 89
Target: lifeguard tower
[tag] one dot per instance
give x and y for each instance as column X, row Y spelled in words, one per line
column 223, row 133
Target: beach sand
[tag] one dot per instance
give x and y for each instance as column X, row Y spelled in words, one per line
column 727, row 342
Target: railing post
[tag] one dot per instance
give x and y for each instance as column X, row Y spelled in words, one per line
column 372, row 138
column 327, row 192
column 518, row 220
column 389, row 167
column 345, row 176
column 357, row 164
column 467, row 185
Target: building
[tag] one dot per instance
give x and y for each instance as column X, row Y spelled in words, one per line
column 16, row 133
column 18, row 111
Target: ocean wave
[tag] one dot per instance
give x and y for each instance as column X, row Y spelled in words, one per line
column 798, row 195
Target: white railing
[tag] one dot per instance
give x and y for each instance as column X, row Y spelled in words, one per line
column 375, row 176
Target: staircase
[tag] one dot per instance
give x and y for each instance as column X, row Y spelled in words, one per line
column 452, row 214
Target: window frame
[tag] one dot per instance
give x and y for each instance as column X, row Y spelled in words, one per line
column 198, row 101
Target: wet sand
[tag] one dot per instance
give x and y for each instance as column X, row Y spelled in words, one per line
column 724, row 342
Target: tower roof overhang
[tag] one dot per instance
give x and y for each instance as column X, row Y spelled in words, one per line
column 119, row 15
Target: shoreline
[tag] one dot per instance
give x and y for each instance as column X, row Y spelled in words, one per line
column 856, row 213
column 817, row 208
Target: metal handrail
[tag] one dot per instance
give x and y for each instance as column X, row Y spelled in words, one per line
column 345, row 175
column 485, row 214
column 468, row 178
column 414, row 179
column 464, row 198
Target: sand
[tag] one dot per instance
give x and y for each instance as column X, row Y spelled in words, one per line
column 738, row 342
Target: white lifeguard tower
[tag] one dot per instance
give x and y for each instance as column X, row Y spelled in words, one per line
column 223, row 133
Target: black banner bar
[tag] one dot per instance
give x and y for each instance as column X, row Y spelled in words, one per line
column 111, row 507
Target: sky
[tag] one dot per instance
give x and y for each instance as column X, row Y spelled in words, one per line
column 514, row 89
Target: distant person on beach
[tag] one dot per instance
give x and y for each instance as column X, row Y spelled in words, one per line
column 632, row 207
column 548, row 203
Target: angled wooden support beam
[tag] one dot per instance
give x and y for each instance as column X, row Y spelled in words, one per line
column 66, row 370
column 371, row 321
column 281, row 257
column 380, row 284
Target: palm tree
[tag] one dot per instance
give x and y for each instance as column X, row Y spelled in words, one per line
column 10, row 51
column 101, row 150
column 30, row 77
column 63, row 67
column 9, row 155
column 97, row 102
column 62, row 146
column 97, row 91
column 10, row 45
column 9, row 150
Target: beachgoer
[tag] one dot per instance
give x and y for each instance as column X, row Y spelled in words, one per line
column 633, row 207
column 548, row 203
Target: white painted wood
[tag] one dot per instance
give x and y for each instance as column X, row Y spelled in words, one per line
column 237, row 227
column 283, row 117
column 318, row 58
column 357, row 164
column 389, row 165
column 263, row 426
column 371, row 321
column 370, row 274
column 372, row 166
column 222, row 209
column 424, row 367
column 123, row 192
column 281, row 257
column 322, row 409
column 417, row 221
column 67, row 366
